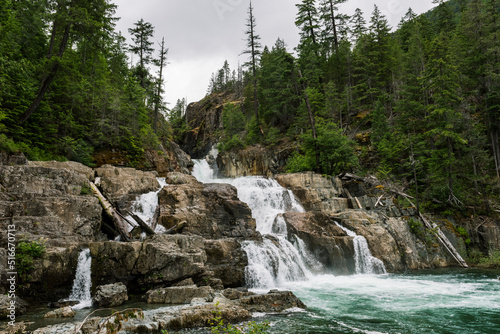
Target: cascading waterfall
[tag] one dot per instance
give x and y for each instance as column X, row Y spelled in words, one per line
column 365, row 263
column 275, row 260
column 145, row 205
column 83, row 281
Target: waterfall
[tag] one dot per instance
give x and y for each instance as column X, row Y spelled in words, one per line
column 83, row 281
column 145, row 205
column 275, row 260
column 365, row 263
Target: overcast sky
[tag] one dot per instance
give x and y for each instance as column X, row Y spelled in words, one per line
column 201, row 34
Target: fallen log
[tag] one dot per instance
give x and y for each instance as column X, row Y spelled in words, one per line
column 118, row 220
column 145, row 227
column 154, row 222
column 177, row 228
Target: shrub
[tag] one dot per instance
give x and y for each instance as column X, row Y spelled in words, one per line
column 26, row 253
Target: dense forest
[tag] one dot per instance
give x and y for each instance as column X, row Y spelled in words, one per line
column 67, row 87
column 418, row 105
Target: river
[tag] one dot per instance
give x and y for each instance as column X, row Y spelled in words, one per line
column 442, row 301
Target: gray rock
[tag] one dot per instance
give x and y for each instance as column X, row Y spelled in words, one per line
column 315, row 192
column 110, row 295
column 7, row 305
column 210, row 210
column 64, row 312
column 117, row 183
column 10, row 159
column 274, row 301
column 178, row 295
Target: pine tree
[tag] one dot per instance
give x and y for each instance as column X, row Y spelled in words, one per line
column 161, row 62
column 253, row 49
column 307, row 21
column 141, row 33
column 331, row 21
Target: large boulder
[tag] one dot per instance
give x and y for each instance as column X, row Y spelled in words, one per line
column 170, row 158
column 227, row 261
column 51, row 200
column 10, row 159
column 315, row 192
column 125, row 183
column 272, row 302
column 210, row 210
column 64, row 312
column 110, row 295
column 159, row 260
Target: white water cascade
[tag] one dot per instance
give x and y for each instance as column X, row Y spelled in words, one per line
column 275, row 260
column 83, row 281
column 364, row 261
column 145, row 205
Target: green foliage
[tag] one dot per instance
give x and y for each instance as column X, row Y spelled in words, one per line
column 86, row 190
column 26, row 253
column 336, row 152
column 232, row 143
column 417, row 228
column 218, row 325
column 463, row 233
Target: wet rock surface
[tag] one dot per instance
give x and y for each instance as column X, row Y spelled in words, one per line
column 193, row 316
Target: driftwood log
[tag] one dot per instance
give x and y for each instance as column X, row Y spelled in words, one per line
column 145, row 227
column 118, row 220
column 177, row 228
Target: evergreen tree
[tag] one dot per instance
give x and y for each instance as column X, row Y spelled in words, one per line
column 142, row 32
column 307, row 21
column 331, row 20
column 253, row 50
column 161, row 62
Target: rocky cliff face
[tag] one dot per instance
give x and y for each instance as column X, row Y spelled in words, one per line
column 51, row 202
column 254, row 160
column 374, row 215
column 204, row 118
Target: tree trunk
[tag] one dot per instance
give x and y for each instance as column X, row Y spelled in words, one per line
column 334, row 26
column 313, row 125
column 50, row 76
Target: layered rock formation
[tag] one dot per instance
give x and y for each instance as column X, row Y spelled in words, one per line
column 370, row 212
column 254, row 160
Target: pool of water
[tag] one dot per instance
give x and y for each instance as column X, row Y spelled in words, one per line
column 442, row 301
column 426, row 302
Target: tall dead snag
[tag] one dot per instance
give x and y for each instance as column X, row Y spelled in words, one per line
column 119, row 222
